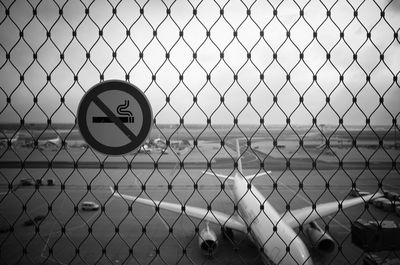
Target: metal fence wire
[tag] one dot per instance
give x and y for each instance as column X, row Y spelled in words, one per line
column 308, row 90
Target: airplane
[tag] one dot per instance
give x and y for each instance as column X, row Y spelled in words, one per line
column 4, row 140
column 54, row 142
column 271, row 231
column 45, row 143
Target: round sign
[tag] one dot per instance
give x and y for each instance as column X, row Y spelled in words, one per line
column 114, row 117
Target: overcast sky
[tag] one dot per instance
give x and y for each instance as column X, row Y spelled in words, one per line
column 246, row 54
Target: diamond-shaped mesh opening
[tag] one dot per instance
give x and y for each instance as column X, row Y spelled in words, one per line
column 303, row 95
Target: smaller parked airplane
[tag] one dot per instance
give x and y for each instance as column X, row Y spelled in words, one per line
column 43, row 144
column 4, row 140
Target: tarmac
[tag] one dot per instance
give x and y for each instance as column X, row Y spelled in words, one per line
column 129, row 233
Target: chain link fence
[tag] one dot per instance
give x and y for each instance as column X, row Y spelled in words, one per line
column 309, row 90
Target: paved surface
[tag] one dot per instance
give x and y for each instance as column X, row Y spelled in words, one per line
column 120, row 235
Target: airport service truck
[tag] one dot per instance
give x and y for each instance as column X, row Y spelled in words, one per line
column 380, row 241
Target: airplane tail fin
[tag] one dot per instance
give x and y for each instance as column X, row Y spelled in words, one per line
column 239, row 167
column 248, row 177
column 218, row 175
column 239, row 157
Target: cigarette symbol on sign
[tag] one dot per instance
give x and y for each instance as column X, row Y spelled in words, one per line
column 125, row 115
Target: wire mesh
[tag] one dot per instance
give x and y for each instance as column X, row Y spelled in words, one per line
column 309, row 88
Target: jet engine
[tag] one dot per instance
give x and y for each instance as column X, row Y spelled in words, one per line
column 319, row 238
column 208, row 241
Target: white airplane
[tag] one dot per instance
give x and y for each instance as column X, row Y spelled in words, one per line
column 271, row 231
column 46, row 143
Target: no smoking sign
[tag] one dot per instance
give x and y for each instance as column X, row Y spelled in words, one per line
column 114, row 117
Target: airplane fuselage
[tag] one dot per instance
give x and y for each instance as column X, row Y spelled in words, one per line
column 279, row 242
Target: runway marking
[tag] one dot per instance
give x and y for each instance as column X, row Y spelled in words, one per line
column 71, row 229
column 163, row 221
column 48, row 240
column 339, row 223
column 158, row 215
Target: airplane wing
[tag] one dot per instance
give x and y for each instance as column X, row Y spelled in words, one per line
column 307, row 214
column 212, row 216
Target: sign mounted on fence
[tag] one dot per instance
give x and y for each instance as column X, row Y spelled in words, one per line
column 114, row 117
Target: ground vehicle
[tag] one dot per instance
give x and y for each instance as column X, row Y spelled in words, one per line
column 357, row 193
column 376, row 236
column 50, row 182
column 27, row 182
column 391, row 195
column 89, row 206
column 380, row 202
column 376, row 258
column 35, row 220
column 392, row 206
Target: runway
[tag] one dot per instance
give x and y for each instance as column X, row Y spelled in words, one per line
column 129, row 233
column 135, row 234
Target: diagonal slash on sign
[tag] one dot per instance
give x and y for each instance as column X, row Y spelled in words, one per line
column 114, row 119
